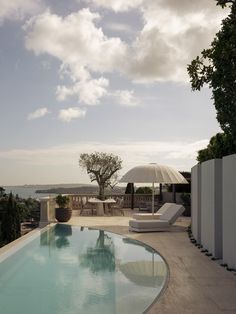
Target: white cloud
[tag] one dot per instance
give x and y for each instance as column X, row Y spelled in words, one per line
column 68, row 114
column 119, row 27
column 60, row 163
column 126, row 98
column 18, row 9
column 75, row 39
column 39, row 113
column 116, row 5
column 132, row 153
column 173, row 33
column 88, row 92
column 82, row 48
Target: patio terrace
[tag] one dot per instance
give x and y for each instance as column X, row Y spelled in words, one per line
column 197, row 284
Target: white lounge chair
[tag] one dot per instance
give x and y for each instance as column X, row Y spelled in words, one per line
column 158, row 214
column 167, row 219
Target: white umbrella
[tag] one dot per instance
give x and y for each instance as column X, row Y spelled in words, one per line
column 153, row 173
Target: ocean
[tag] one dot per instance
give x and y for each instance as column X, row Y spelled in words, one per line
column 26, row 191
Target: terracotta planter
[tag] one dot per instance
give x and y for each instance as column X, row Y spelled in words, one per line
column 63, row 214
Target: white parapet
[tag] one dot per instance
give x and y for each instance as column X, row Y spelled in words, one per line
column 196, row 202
column 211, row 206
column 229, row 213
column 47, row 211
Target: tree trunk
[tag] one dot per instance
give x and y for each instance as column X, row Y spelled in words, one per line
column 101, row 192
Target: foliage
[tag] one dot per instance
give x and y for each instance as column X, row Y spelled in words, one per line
column 11, row 228
column 33, row 209
column 144, row 190
column 217, row 67
column 129, row 188
column 62, row 200
column 2, row 192
column 220, row 145
column 101, row 167
column 186, row 198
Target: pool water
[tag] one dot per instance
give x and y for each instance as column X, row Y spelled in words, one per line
column 73, row 270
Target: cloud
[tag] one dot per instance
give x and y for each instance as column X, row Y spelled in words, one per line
column 39, row 113
column 179, row 154
column 119, row 27
column 117, row 5
column 19, row 9
column 82, row 48
column 60, row 163
column 88, row 91
column 68, row 114
column 173, row 33
column 126, row 98
column 75, row 39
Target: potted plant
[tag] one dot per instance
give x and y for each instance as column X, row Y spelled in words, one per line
column 186, row 199
column 62, row 212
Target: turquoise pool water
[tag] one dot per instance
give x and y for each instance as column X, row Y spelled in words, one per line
column 73, row 270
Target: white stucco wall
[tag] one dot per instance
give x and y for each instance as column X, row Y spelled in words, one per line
column 196, row 202
column 211, row 206
column 229, row 212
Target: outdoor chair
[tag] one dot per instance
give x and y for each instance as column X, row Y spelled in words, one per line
column 158, row 214
column 167, row 219
column 87, row 209
column 147, row 206
column 118, row 206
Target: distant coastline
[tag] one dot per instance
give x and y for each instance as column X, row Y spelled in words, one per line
column 39, row 191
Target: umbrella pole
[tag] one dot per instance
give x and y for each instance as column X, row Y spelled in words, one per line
column 153, row 191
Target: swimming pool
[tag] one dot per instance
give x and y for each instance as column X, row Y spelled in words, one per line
column 70, row 270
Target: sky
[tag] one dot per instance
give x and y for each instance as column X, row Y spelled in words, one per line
column 80, row 76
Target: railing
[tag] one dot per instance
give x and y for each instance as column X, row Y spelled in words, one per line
column 76, row 201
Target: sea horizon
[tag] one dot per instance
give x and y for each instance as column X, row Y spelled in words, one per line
column 29, row 190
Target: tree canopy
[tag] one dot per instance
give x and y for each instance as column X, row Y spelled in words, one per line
column 217, row 67
column 102, row 168
column 11, row 228
column 144, row 190
column 220, row 145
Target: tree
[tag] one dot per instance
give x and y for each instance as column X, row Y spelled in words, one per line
column 129, row 188
column 2, row 192
column 144, row 190
column 11, row 228
column 220, row 145
column 101, row 167
column 217, row 67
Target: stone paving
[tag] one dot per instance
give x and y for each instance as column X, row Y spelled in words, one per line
column 197, row 285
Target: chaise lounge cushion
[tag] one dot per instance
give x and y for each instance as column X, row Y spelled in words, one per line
column 149, row 224
column 158, row 214
column 167, row 219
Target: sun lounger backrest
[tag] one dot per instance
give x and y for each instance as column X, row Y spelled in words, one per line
column 164, row 208
column 172, row 213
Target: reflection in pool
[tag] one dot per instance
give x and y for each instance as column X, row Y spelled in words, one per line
column 74, row 270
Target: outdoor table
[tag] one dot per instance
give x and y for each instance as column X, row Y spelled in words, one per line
column 99, row 204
